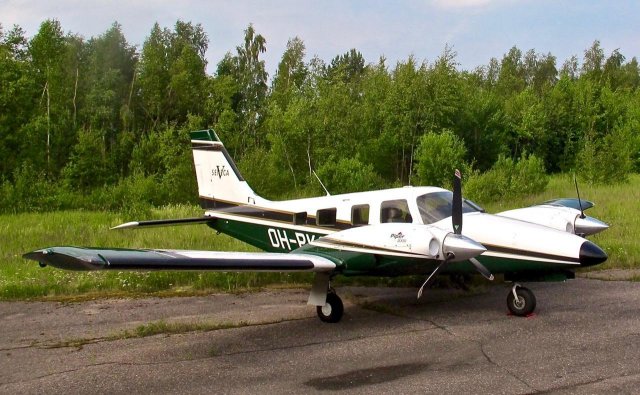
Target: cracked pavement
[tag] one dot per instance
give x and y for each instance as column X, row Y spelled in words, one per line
column 585, row 338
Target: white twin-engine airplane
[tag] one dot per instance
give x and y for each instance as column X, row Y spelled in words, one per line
column 391, row 232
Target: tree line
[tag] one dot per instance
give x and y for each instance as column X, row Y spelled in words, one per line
column 99, row 123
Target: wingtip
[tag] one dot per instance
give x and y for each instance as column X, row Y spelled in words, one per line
column 126, row 225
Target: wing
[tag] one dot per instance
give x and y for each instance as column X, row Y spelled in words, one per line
column 79, row 258
column 569, row 202
column 166, row 222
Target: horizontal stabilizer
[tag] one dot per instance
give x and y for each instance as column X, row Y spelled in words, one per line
column 165, row 222
column 79, row 258
column 570, row 202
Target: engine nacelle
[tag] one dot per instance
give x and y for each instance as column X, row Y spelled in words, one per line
column 561, row 218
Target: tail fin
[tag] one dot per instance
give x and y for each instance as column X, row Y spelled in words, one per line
column 220, row 183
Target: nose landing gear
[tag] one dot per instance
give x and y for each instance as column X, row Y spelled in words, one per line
column 521, row 301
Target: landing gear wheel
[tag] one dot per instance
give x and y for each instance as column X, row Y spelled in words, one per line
column 332, row 310
column 525, row 302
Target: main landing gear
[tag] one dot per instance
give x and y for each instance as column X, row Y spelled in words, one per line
column 521, row 301
column 333, row 308
column 328, row 304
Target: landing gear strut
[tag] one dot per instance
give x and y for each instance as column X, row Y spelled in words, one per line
column 521, row 301
column 333, row 308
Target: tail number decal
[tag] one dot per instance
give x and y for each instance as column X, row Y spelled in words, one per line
column 279, row 238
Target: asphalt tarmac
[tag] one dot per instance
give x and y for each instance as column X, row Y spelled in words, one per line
column 584, row 338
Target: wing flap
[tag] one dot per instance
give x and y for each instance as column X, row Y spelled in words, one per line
column 80, row 258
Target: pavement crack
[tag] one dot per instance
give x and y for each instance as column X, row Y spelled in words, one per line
column 174, row 361
column 589, row 382
column 496, row 364
column 25, row 346
column 480, row 344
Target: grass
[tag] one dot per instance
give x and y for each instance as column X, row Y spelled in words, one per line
column 616, row 204
column 22, row 279
column 157, row 328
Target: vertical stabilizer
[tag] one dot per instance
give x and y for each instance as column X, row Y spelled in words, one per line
column 219, row 180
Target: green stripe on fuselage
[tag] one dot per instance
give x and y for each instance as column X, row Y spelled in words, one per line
column 274, row 238
column 270, row 238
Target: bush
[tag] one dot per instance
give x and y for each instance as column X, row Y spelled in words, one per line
column 507, row 178
column 264, row 175
column 607, row 160
column 346, row 175
column 30, row 191
column 437, row 156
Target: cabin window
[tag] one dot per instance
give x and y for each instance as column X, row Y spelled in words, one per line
column 395, row 211
column 360, row 215
column 326, row 217
column 300, row 218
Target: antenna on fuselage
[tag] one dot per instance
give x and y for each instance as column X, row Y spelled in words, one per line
column 323, row 187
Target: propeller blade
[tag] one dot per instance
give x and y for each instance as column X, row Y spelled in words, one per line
column 482, row 269
column 456, row 208
column 575, row 180
column 433, row 273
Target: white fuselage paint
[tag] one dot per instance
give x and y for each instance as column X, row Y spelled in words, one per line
column 518, row 236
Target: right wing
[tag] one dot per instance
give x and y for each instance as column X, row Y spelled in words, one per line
column 81, row 258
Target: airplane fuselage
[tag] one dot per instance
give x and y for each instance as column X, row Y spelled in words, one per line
column 513, row 246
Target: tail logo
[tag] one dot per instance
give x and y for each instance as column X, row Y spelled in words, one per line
column 220, row 172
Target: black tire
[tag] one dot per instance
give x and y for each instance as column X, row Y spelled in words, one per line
column 525, row 304
column 332, row 311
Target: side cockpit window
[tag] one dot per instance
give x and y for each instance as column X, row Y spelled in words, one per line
column 395, row 211
column 360, row 215
column 326, row 217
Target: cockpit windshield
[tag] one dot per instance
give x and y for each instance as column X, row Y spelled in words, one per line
column 437, row 205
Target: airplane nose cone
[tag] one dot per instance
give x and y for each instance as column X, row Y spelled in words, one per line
column 591, row 254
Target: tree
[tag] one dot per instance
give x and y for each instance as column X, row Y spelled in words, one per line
column 110, row 73
column 438, row 155
column 18, row 93
column 48, row 52
column 187, row 69
column 512, row 79
column 348, row 67
column 153, row 74
column 252, row 78
column 291, row 73
column 593, row 62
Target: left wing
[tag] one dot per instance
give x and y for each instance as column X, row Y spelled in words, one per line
column 80, row 258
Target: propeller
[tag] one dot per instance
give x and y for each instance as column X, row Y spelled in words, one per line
column 482, row 269
column 449, row 257
column 456, row 246
column 575, row 180
column 456, row 208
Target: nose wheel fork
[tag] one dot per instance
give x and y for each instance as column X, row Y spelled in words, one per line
column 521, row 301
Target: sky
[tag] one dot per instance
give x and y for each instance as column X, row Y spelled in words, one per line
column 477, row 30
